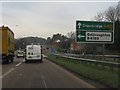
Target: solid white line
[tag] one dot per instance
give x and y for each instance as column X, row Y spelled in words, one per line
column 18, row 64
column 7, row 73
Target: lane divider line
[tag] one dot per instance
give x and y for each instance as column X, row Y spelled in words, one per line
column 24, row 60
column 2, row 76
column 7, row 73
column 18, row 64
column 43, row 81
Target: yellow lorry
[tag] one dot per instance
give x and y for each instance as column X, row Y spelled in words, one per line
column 6, row 44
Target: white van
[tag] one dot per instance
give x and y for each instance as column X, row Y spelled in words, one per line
column 33, row 52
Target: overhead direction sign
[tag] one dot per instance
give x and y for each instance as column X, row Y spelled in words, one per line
column 94, row 32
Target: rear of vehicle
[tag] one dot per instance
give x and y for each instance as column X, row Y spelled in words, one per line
column 20, row 53
column 7, row 43
column 33, row 53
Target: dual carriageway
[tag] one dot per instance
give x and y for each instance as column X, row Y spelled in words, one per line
column 41, row 75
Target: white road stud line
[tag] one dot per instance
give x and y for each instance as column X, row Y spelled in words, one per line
column 7, row 73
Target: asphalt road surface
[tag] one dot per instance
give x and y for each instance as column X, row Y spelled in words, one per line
column 39, row 75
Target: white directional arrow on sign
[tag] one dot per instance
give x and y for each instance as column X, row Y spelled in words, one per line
column 80, row 36
column 79, row 24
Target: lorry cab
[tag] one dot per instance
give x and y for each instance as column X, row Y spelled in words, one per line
column 33, row 53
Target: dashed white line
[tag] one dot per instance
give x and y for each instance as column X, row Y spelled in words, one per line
column 43, row 81
column 7, row 73
column 24, row 60
column 18, row 64
column 10, row 70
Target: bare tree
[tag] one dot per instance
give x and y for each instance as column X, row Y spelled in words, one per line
column 118, row 11
column 100, row 17
column 71, row 35
column 111, row 14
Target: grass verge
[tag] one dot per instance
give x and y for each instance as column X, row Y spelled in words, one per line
column 107, row 77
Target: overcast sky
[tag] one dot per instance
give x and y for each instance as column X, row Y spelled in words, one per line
column 43, row 19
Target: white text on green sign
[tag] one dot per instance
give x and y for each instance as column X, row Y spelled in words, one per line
column 92, row 25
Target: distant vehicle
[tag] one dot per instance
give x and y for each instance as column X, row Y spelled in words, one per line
column 20, row 53
column 33, row 52
column 7, row 42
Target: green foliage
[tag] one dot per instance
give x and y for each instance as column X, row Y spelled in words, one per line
column 106, row 77
column 22, row 42
column 112, row 14
column 59, row 41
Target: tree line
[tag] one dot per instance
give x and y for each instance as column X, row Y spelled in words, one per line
column 112, row 14
column 21, row 43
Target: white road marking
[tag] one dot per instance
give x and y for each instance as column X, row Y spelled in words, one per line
column 24, row 60
column 7, row 73
column 43, row 81
column 2, row 76
column 18, row 64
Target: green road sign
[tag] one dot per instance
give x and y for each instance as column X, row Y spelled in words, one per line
column 92, row 25
column 94, row 32
column 81, row 36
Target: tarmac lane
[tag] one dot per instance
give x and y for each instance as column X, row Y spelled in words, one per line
column 40, row 75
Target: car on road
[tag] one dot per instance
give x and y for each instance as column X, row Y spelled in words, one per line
column 20, row 53
column 33, row 53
